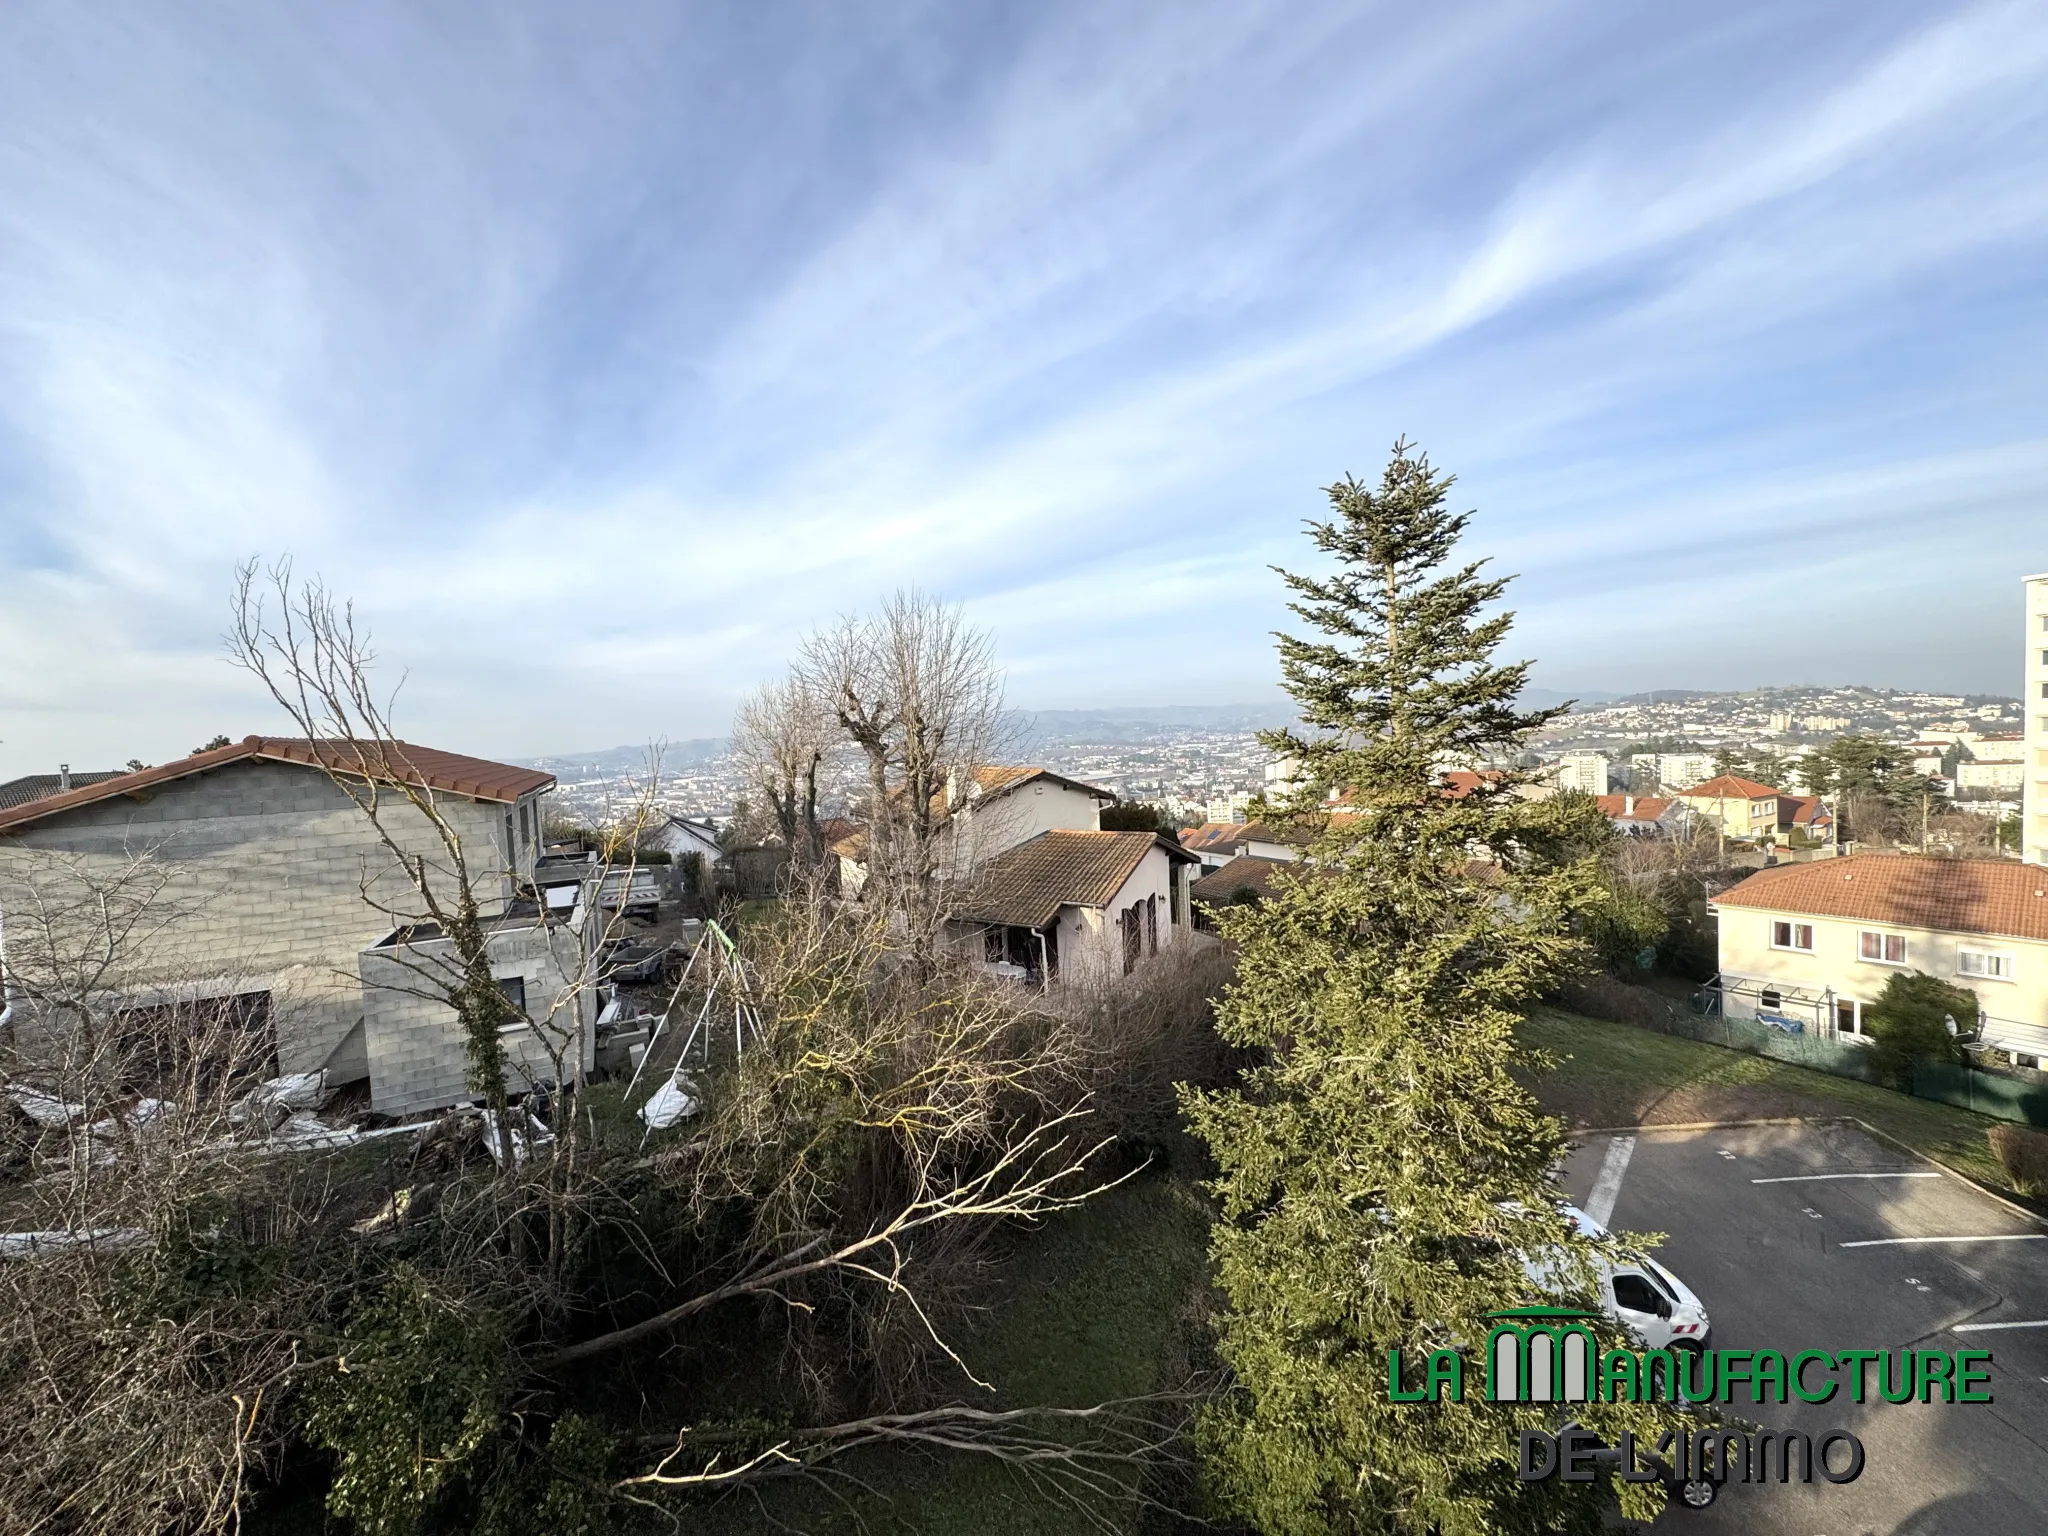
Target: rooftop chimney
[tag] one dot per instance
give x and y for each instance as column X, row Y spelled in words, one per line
column 1628, row 805
column 63, row 777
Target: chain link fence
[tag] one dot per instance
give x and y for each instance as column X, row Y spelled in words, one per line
column 1995, row 1094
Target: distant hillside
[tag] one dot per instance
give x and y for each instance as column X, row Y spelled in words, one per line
column 1137, row 722
column 610, row 761
column 1550, row 698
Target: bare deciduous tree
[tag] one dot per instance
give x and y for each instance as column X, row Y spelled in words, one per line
column 132, row 1401
column 304, row 646
column 782, row 736
column 917, row 691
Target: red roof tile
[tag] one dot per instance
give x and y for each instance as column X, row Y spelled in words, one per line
column 394, row 762
column 1647, row 807
column 1214, row 834
column 1730, row 786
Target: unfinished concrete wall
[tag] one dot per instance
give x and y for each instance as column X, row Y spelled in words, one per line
column 269, row 867
column 418, row 1059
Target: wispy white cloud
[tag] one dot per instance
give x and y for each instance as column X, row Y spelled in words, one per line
column 600, row 362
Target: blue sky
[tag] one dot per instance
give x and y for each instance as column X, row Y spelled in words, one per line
column 600, row 352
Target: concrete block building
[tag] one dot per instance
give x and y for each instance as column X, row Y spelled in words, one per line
column 273, row 881
column 407, row 1028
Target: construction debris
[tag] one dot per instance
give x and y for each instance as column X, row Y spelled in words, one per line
column 39, row 1245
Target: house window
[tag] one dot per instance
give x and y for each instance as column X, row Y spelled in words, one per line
column 514, row 989
column 1883, row 948
column 1792, row 936
column 995, row 945
column 1771, row 999
column 1848, row 1016
column 525, row 824
column 1134, row 937
column 1151, row 925
column 1992, row 965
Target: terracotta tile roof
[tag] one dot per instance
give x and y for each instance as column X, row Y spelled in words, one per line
column 1807, row 809
column 1247, row 872
column 1729, row 786
column 396, row 762
column 1026, row 886
column 1647, row 807
column 1214, row 834
column 40, row 786
column 1993, row 896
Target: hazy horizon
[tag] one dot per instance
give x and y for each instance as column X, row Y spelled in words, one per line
column 598, row 356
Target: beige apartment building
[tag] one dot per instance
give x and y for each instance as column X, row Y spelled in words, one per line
column 1814, row 944
column 1743, row 807
column 2034, row 704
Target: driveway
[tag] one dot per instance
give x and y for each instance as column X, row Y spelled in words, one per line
column 1818, row 1236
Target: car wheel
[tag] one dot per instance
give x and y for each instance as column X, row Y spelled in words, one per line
column 1696, row 1492
column 1686, row 1347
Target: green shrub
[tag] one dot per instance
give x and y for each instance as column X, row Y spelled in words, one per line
column 416, row 1390
column 1908, row 1024
column 1622, row 925
column 1138, row 816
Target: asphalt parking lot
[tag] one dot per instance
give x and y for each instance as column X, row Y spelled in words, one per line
column 1821, row 1237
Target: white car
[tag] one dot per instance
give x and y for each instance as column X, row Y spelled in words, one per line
column 1646, row 1298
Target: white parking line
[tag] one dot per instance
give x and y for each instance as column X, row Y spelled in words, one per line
column 2041, row 1322
column 1607, row 1187
column 1991, row 1237
column 1805, row 1178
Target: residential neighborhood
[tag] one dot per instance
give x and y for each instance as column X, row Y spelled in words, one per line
column 1010, row 770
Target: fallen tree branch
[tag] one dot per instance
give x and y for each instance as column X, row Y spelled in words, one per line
column 1019, row 1184
column 1132, row 1440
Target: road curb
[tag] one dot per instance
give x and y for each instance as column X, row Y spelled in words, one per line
column 1707, row 1125
column 1865, row 1126
column 1955, row 1173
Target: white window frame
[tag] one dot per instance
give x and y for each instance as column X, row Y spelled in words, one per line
column 2001, row 957
column 1793, row 929
column 1884, row 939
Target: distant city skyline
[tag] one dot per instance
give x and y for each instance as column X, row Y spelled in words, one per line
column 599, row 356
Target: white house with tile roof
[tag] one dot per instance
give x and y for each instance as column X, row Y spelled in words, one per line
column 1816, row 943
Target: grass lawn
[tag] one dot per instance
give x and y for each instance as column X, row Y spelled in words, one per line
column 1617, row 1074
column 1102, row 1303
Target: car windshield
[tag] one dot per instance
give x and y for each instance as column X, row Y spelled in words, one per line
column 1664, row 1279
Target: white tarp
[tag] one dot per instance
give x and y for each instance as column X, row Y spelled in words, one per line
column 525, row 1138
column 674, row 1100
column 43, row 1108
column 280, row 1096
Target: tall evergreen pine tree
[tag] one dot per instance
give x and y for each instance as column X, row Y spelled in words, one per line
column 1382, row 1170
